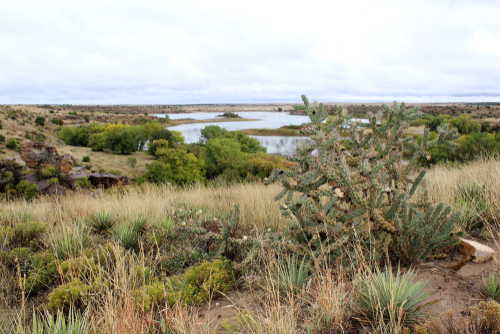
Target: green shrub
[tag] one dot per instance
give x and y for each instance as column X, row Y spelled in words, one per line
column 132, row 162
column 211, row 131
column 57, row 121
column 48, row 172
column 101, row 221
column 40, row 121
column 71, row 295
column 82, row 182
column 11, row 144
column 51, row 111
column 23, row 234
column 27, row 189
column 86, row 158
column 52, row 181
column 152, row 296
column 389, row 301
column 175, row 166
column 2, row 138
column 361, row 190
column 209, row 279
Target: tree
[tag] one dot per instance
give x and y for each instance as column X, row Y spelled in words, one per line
column 248, row 144
column 210, row 132
column 220, row 154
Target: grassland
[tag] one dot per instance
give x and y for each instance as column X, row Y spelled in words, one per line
column 255, row 304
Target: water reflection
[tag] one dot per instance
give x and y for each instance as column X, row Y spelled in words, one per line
column 265, row 120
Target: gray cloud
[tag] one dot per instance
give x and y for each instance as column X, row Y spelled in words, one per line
column 258, row 51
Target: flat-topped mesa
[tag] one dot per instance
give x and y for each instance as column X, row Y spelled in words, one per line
column 39, row 154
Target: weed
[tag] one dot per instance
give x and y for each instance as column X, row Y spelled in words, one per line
column 490, row 286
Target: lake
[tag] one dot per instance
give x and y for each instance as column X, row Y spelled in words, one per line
column 266, row 120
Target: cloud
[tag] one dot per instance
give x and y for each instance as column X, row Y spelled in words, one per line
column 259, row 51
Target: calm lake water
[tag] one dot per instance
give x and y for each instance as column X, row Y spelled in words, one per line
column 265, row 120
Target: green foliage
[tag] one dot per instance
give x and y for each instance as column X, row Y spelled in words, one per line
column 362, row 189
column 157, row 145
column 2, row 138
column 391, row 299
column 82, row 182
column 175, row 166
column 40, row 121
column 126, row 235
column 101, row 221
column 27, row 189
column 209, row 279
column 86, row 158
column 298, row 107
column 221, row 154
column 68, row 242
column 473, row 201
column 291, row 275
column 210, row 132
column 229, row 114
column 57, row 121
column 152, row 296
column 260, row 164
column 48, row 172
column 11, row 144
column 48, row 324
column 132, row 162
column 490, row 286
column 71, row 295
column 22, row 234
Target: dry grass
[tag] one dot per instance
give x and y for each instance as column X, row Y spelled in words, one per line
column 256, row 203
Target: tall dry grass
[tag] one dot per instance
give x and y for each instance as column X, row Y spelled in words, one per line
column 256, row 204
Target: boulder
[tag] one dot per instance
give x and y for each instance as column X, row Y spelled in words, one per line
column 69, row 179
column 480, row 252
column 55, row 189
column 106, row 181
column 39, row 154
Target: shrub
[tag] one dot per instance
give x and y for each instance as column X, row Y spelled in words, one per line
column 209, row 279
column 221, row 154
column 86, row 158
column 82, row 182
column 175, row 166
column 126, row 235
column 40, row 121
column 2, row 138
column 361, row 190
column 11, row 144
column 51, row 111
column 152, row 296
column 71, row 295
column 390, row 301
column 57, row 121
column 48, row 172
column 27, row 189
column 132, row 162
column 210, row 132
column 22, row 234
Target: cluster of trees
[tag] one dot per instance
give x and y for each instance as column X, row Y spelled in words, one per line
column 472, row 142
column 228, row 156
column 116, row 138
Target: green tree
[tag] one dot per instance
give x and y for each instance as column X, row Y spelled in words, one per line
column 11, row 144
column 211, row 132
column 248, row 144
column 220, row 154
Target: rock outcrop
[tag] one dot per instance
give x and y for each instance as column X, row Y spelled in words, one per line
column 39, row 154
column 105, row 180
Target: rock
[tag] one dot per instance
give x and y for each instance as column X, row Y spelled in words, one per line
column 480, row 252
column 55, row 189
column 29, row 177
column 39, row 154
column 41, row 185
column 69, row 179
column 106, row 181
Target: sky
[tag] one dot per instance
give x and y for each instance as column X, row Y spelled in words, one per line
column 211, row 51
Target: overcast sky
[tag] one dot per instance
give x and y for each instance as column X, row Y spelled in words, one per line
column 210, row 51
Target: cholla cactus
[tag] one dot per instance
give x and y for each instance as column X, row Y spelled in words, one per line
column 352, row 181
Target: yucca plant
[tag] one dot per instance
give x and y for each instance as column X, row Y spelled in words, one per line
column 490, row 286
column 385, row 298
column 101, row 221
column 125, row 235
column 48, row 324
column 138, row 223
column 472, row 199
column 166, row 225
column 291, row 275
column 68, row 242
